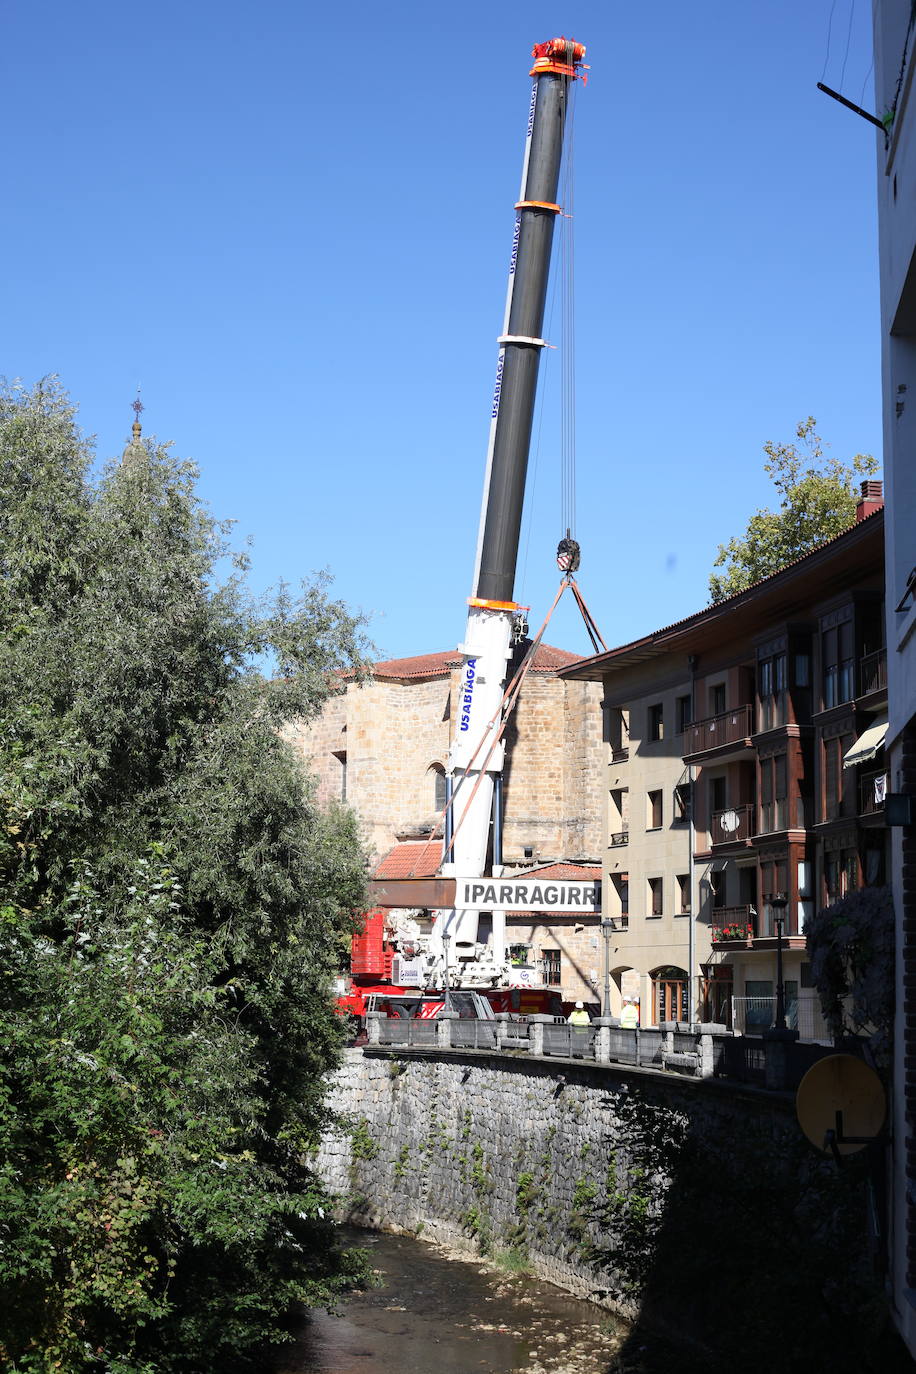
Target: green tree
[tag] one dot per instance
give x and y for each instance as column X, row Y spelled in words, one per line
column 817, row 500
column 851, row 948
column 172, row 900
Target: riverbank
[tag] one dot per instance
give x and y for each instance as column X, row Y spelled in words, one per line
column 439, row 1312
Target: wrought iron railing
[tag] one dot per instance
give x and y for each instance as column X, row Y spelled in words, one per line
column 730, row 727
column 734, row 823
column 733, row 923
column 618, row 838
column 873, row 672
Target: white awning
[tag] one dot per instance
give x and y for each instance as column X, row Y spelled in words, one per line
column 867, row 745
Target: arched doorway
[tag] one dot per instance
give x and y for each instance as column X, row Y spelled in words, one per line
column 669, row 994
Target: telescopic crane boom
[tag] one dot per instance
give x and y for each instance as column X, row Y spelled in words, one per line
column 476, row 756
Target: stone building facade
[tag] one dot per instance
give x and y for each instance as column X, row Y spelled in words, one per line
column 383, row 748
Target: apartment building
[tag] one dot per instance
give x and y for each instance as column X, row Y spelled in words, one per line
column 895, row 60
column 745, row 785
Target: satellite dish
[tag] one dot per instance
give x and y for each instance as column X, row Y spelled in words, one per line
column 729, row 821
column 840, row 1104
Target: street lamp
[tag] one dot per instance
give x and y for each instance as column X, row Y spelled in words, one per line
column 446, row 940
column 607, row 926
column 779, row 901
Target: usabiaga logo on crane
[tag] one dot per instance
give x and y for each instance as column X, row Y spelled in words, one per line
column 499, row 385
column 467, row 694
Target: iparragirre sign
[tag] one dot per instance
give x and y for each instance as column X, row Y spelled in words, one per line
column 526, row 894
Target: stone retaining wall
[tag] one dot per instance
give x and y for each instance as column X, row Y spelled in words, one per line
column 676, row 1198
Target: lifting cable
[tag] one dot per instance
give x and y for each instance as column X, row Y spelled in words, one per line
column 568, row 328
column 507, row 704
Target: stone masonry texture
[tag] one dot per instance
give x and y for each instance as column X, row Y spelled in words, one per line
column 696, row 1208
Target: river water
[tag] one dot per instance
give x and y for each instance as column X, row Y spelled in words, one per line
column 432, row 1314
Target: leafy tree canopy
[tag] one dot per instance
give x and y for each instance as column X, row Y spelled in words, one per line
column 171, row 904
column 817, row 500
column 851, row 948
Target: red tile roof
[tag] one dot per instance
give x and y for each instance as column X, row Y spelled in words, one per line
column 547, row 660
column 584, row 873
column 411, row 859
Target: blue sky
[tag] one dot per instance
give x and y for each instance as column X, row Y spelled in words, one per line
column 292, row 229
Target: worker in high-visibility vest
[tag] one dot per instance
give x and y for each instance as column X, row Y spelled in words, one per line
column 579, row 1016
column 629, row 1014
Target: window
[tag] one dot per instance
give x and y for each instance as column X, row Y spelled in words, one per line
column 618, row 732
column 759, row 1005
column 439, row 788
column 519, row 955
column 341, row 757
column 618, row 815
column 717, row 795
column 654, row 811
column 774, row 785
column 839, row 797
column 684, row 713
column 681, row 802
column 837, row 647
column 620, row 900
column 656, row 897
column 717, row 699
column 717, row 888
column 841, row 874
column 550, row 960
column 656, row 730
column 771, row 677
column 683, row 894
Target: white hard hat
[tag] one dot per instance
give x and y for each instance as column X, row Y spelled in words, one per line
column 579, row 1004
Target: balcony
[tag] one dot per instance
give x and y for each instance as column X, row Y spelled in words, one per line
column 872, row 791
column 873, row 673
column 733, row 927
column 619, row 838
column 731, row 728
column 735, row 825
